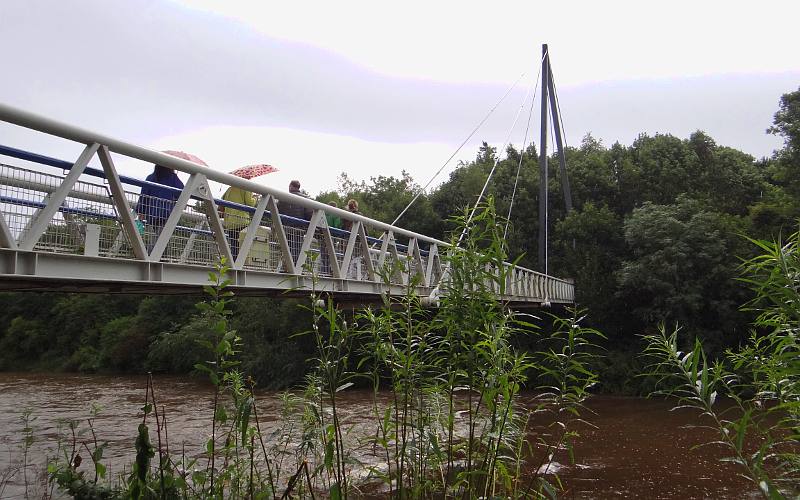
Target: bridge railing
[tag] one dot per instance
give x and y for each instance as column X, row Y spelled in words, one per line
column 95, row 212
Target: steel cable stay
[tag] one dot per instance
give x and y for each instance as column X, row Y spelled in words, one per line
column 494, row 167
column 474, row 130
column 497, row 160
column 522, row 152
column 435, row 293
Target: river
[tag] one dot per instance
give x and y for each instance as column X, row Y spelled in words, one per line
column 636, row 449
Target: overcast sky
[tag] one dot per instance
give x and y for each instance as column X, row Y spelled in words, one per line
column 372, row 88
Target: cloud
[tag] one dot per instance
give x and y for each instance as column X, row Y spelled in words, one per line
column 320, row 89
column 316, row 159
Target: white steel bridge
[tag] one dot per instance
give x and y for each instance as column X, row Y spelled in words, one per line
column 69, row 226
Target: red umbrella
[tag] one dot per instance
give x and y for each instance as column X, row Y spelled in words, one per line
column 251, row 171
column 186, row 156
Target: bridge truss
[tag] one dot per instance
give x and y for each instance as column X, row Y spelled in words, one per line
column 70, row 226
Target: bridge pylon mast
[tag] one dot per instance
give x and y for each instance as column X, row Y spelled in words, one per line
column 549, row 99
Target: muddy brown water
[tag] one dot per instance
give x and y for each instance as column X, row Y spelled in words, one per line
column 636, row 449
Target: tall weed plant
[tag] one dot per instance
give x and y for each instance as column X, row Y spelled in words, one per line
column 448, row 416
column 761, row 428
column 453, row 424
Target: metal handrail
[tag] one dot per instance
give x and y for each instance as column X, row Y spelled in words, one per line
column 22, row 154
column 53, row 127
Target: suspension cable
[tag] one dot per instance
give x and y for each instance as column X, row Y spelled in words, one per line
column 522, row 151
column 494, row 167
column 478, row 126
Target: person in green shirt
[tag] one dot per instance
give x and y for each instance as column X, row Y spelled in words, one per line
column 334, row 221
column 235, row 220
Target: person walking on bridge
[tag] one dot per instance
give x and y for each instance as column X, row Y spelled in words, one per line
column 300, row 216
column 156, row 203
column 235, row 219
column 352, row 207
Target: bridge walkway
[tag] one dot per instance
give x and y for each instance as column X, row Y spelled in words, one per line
column 72, row 226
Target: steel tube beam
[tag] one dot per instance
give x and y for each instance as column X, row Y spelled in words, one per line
column 562, row 158
column 53, row 127
column 543, row 173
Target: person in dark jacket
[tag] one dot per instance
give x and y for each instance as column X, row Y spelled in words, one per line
column 155, row 202
column 288, row 208
column 300, row 212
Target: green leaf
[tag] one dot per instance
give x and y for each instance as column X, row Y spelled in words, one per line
column 202, row 368
column 335, row 492
column 741, row 430
column 549, row 489
column 224, row 347
column 245, row 421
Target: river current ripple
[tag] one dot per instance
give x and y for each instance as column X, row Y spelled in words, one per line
column 635, row 448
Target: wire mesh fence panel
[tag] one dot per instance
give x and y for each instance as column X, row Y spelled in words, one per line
column 193, row 241
column 294, row 237
column 421, row 266
column 114, row 241
column 436, row 274
column 235, row 222
column 84, row 223
column 264, row 252
column 340, row 246
column 323, row 266
column 91, row 218
column 22, row 193
column 317, row 262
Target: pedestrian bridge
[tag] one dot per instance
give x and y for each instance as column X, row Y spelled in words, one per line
column 72, row 226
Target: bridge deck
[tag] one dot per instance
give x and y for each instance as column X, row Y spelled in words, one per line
column 73, row 227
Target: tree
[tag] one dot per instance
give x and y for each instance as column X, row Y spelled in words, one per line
column 681, row 268
column 786, row 122
column 786, row 169
column 588, row 246
column 385, row 197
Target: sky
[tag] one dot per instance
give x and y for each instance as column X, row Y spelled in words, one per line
column 374, row 88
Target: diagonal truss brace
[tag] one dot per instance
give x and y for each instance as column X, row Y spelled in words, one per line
column 120, row 203
column 280, row 235
column 42, row 217
column 252, row 228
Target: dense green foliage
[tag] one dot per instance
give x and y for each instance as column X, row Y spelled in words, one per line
column 760, row 429
column 655, row 234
